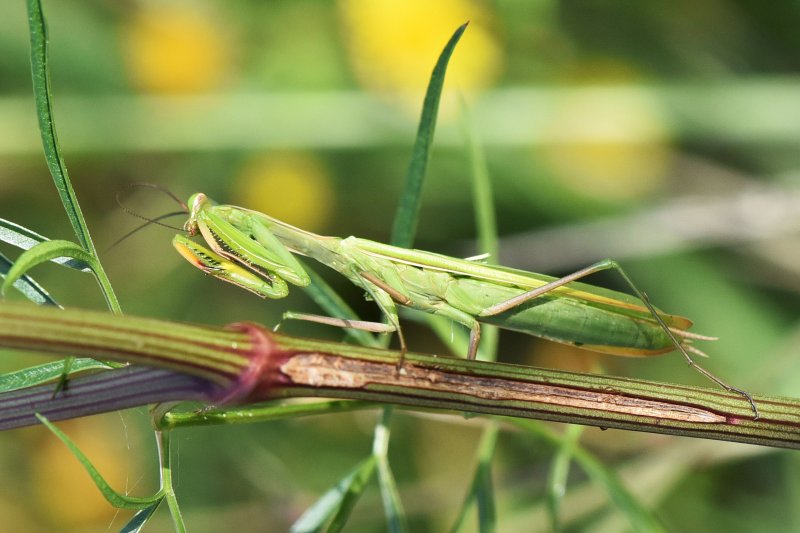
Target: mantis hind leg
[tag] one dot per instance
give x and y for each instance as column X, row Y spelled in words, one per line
column 385, row 297
column 608, row 264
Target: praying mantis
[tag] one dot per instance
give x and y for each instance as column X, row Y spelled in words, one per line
column 255, row 251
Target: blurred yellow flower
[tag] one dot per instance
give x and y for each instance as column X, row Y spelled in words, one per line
column 175, row 48
column 292, row 187
column 393, row 44
column 65, row 494
column 609, row 144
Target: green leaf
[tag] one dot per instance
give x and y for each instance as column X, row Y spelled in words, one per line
column 337, row 502
column 43, row 252
column 405, row 221
column 36, row 375
column 24, row 238
column 116, row 499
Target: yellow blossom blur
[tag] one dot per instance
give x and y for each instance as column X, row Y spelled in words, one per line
column 613, row 149
column 291, row 187
column 57, row 472
column 393, row 44
column 175, row 48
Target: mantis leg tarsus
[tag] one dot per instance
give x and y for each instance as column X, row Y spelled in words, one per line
column 474, row 341
column 724, row 385
column 403, row 349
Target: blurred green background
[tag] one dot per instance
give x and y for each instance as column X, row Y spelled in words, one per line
column 664, row 135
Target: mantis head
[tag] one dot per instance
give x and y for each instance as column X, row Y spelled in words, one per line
column 197, row 203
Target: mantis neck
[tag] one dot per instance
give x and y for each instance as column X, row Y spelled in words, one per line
column 326, row 250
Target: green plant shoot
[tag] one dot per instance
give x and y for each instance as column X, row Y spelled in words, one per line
column 255, row 252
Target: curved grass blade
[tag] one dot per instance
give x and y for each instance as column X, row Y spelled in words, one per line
column 337, row 502
column 27, row 285
column 43, row 252
column 24, row 238
column 116, row 499
column 405, row 220
column 36, row 375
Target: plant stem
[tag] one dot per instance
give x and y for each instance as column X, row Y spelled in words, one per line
column 272, row 366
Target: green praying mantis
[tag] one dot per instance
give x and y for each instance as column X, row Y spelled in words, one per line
column 255, row 251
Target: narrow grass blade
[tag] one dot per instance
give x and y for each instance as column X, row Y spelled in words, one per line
column 36, row 375
column 338, row 502
column 482, row 195
column 116, row 499
column 484, row 495
column 485, row 216
column 163, row 439
column 24, row 238
column 640, row 518
column 44, row 110
column 392, row 504
column 403, row 231
column 55, row 162
column 405, row 221
column 481, row 490
column 559, row 473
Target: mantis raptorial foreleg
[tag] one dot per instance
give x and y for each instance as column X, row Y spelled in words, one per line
column 609, row 264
